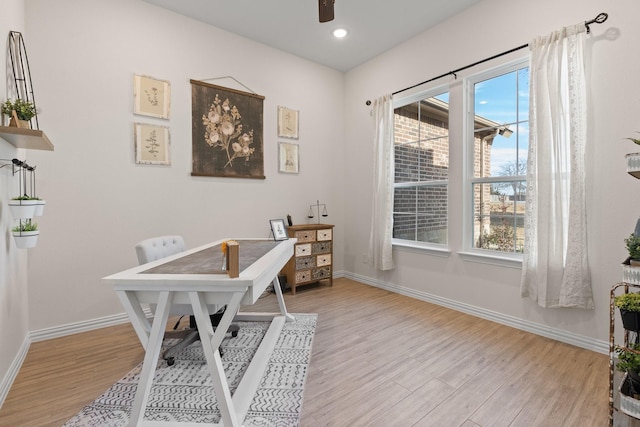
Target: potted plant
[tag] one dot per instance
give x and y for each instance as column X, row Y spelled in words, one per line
column 633, row 247
column 25, row 207
column 633, row 160
column 20, row 112
column 631, row 266
column 629, row 306
column 26, row 234
column 629, row 362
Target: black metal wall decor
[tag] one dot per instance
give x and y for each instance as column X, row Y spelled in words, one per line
column 19, row 63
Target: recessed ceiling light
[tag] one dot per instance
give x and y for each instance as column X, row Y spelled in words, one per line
column 339, row 33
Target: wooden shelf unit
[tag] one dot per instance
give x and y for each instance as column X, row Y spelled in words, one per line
column 26, row 138
column 313, row 255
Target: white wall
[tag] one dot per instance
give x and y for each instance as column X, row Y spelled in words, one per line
column 491, row 27
column 83, row 55
column 13, row 262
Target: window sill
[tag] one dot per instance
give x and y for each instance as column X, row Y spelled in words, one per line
column 439, row 251
column 487, row 257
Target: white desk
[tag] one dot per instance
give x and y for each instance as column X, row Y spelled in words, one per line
column 138, row 285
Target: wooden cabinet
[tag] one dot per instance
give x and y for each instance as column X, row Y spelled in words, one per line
column 313, row 255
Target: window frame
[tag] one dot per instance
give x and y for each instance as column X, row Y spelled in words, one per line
column 469, row 251
column 432, row 248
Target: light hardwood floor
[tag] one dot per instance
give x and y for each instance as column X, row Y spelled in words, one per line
column 379, row 359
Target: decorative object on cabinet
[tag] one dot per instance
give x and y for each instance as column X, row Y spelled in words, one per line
column 289, row 158
column 324, row 213
column 313, row 255
column 153, row 144
column 226, row 129
column 287, row 123
column 152, row 97
column 18, row 62
column 278, row 229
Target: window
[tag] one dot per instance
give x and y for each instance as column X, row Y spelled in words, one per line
column 499, row 145
column 421, row 149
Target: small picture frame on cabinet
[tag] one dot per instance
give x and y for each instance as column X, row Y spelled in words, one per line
column 278, row 229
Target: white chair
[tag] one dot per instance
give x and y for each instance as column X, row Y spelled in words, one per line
column 154, row 249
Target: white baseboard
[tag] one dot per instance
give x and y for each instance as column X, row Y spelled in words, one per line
column 55, row 332
column 77, row 327
column 14, row 368
column 525, row 325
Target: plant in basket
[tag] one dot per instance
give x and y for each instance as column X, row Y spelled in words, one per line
column 633, row 247
column 631, row 265
column 629, row 362
column 629, row 306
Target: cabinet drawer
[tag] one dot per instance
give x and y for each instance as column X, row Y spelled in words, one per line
column 321, row 273
column 324, row 234
column 305, row 263
column 305, row 236
column 323, row 260
column 303, row 250
column 303, row 276
column 322, row 248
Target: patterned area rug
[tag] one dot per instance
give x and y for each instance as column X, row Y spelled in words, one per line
column 184, row 392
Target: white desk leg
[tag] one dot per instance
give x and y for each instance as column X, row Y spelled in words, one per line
column 283, row 307
column 138, row 319
column 210, row 343
column 151, row 358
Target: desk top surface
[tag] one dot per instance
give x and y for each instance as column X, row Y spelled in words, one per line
column 201, row 266
column 209, row 260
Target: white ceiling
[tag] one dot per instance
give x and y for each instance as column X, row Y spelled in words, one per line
column 292, row 25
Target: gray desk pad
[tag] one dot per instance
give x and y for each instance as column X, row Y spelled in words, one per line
column 209, row 261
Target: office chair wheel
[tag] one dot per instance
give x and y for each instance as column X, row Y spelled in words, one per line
column 170, row 361
column 233, row 329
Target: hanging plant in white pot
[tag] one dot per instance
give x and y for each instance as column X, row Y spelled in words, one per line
column 26, row 234
column 23, row 207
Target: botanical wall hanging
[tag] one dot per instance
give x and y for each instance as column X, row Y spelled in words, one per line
column 153, row 144
column 227, row 132
column 151, row 96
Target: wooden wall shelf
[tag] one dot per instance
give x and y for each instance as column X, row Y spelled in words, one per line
column 26, row 138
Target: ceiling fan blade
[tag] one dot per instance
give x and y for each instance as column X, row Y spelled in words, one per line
column 325, row 10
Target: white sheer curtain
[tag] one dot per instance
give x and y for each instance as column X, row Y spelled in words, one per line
column 555, row 266
column 380, row 249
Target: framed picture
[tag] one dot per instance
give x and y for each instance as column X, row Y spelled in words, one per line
column 278, row 229
column 288, row 158
column 153, row 145
column 287, row 123
column 226, row 130
column 151, row 97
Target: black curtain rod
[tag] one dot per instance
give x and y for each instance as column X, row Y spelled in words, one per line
column 597, row 20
